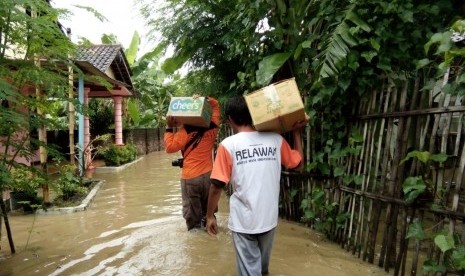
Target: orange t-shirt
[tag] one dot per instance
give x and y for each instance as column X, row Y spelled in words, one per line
column 199, row 160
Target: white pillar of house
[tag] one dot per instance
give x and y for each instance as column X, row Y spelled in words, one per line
column 87, row 148
column 118, row 102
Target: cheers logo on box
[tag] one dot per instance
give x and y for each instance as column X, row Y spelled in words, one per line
column 185, row 105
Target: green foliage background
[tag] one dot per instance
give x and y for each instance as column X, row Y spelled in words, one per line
column 338, row 51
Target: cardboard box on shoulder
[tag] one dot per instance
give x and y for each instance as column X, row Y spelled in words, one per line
column 276, row 107
column 190, row 111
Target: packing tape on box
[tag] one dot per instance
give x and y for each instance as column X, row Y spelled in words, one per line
column 274, row 103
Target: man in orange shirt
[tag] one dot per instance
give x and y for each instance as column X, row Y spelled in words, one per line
column 197, row 164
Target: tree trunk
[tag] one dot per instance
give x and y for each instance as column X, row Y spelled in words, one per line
column 7, row 226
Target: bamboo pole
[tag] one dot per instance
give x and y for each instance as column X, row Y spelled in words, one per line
column 384, row 176
column 353, row 199
column 413, row 271
column 400, row 153
column 307, row 192
column 437, row 119
column 348, row 224
column 458, row 180
column 423, row 126
column 361, row 167
column 424, row 130
column 391, row 100
column 403, row 244
column 416, row 131
column 443, row 149
column 406, row 241
column 42, row 133
column 392, row 210
column 371, row 235
column 368, row 144
column 370, row 172
column 351, row 208
column 342, row 202
column 433, row 253
column 309, row 189
column 368, row 233
column 71, row 110
column 308, row 154
column 452, row 221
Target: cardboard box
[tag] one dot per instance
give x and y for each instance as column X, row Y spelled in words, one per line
column 276, row 107
column 190, row 111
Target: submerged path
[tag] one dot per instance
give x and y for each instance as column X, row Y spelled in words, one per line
column 134, row 226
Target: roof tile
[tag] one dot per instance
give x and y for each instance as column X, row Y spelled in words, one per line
column 101, row 56
column 107, row 56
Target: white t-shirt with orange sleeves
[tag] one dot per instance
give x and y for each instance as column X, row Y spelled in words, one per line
column 251, row 162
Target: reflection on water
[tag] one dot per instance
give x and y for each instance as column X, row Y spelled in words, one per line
column 134, row 226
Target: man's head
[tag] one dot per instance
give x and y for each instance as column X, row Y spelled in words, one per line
column 236, row 109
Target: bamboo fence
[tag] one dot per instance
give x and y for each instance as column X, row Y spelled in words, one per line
column 370, row 218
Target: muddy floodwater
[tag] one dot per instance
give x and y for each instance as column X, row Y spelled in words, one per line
column 134, row 226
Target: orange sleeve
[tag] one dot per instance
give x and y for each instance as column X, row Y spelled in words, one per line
column 216, row 113
column 289, row 158
column 175, row 142
column 222, row 167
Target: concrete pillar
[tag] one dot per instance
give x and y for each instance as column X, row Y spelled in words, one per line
column 118, row 101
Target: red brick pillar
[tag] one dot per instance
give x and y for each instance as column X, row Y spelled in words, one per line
column 87, row 148
column 118, row 101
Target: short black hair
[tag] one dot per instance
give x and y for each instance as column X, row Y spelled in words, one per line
column 236, row 109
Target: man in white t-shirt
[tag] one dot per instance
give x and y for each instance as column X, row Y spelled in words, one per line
column 251, row 162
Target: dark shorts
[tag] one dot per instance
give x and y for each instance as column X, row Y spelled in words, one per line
column 195, row 199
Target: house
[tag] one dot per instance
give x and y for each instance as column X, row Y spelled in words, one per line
column 95, row 71
column 108, row 63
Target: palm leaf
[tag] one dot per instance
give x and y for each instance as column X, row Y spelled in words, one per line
column 142, row 64
column 269, row 65
column 131, row 52
column 339, row 44
column 174, row 63
column 171, row 64
column 134, row 113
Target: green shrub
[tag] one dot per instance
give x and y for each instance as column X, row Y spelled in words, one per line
column 25, row 179
column 117, row 155
column 68, row 184
column 23, row 183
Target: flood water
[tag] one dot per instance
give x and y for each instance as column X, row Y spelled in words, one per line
column 134, row 226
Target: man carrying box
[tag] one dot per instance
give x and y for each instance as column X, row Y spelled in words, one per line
column 196, row 144
column 251, row 162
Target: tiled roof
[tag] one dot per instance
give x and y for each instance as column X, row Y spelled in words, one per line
column 103, row 57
